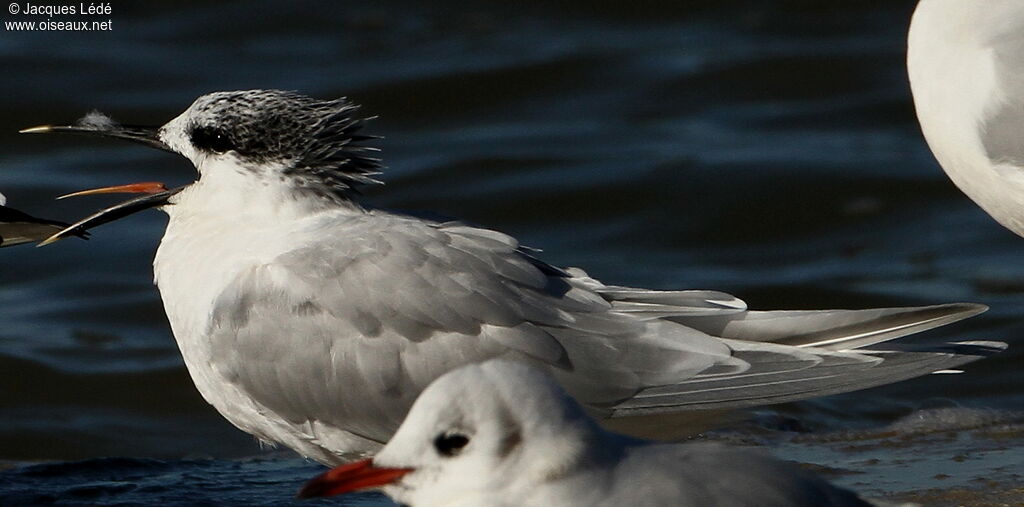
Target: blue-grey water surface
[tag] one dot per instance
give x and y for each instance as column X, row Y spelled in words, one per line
column 768, row 149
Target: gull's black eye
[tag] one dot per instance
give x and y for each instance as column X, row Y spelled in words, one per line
column 450, row 444
column 211, row 139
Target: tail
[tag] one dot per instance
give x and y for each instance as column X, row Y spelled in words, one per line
column 793, row 355
column 772, row 377
column 722, row 315
column 830, row 329
column 781, row 356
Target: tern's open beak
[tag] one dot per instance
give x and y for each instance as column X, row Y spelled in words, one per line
column 356, row 476
column 156, row 194
column 149, row 136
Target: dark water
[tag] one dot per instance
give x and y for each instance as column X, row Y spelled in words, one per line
column 768, row 149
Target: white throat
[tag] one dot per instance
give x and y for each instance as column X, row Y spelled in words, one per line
column 227, row 222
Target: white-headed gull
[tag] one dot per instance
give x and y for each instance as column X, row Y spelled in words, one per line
column 504, row 433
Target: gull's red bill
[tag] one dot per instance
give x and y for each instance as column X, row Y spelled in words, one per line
column 357, row 476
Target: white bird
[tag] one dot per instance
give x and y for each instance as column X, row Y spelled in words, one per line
column 310, row 320
column 504, row 433
column 966, row 64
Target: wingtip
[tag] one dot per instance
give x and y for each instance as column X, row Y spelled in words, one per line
column 984, row 347
column 732, row 303
column 970, row 309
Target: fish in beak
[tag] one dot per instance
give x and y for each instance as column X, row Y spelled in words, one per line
column 155, row 194
column 17, row 227
column 357, row 476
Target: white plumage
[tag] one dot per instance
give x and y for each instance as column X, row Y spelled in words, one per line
column 503, row 433
column 966, row 65
column 309, row 320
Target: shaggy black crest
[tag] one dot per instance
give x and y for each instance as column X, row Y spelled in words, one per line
column 316, row 141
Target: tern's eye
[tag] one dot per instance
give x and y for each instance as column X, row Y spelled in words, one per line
column 211, row 139
column 450, row 444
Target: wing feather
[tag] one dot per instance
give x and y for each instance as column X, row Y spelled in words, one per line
column 344, row 333
column 387, row 305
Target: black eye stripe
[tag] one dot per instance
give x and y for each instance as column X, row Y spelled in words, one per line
column 450, row 444
column 211, row 139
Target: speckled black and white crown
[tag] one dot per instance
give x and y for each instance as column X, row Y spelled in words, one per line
column 315, row 143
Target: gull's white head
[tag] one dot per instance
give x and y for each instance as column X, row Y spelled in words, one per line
column 3, row 200
column 495, row 428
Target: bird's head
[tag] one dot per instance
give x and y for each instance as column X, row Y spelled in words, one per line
column 308, row 144
column 306, row 147
column 477, row 430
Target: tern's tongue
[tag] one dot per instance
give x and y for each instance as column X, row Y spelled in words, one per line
column 146, row 187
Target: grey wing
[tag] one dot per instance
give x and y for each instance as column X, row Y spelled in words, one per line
column 779, row 379
column 347, row 332
column 795, row 355
column 789, row 355
column 831, row 329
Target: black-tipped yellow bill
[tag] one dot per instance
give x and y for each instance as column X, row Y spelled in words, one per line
column 150, row 136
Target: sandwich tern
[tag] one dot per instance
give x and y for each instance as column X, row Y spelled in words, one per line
column 308, row 319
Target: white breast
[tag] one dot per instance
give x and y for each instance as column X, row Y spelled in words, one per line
column 220, row 226
column 958, row 85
